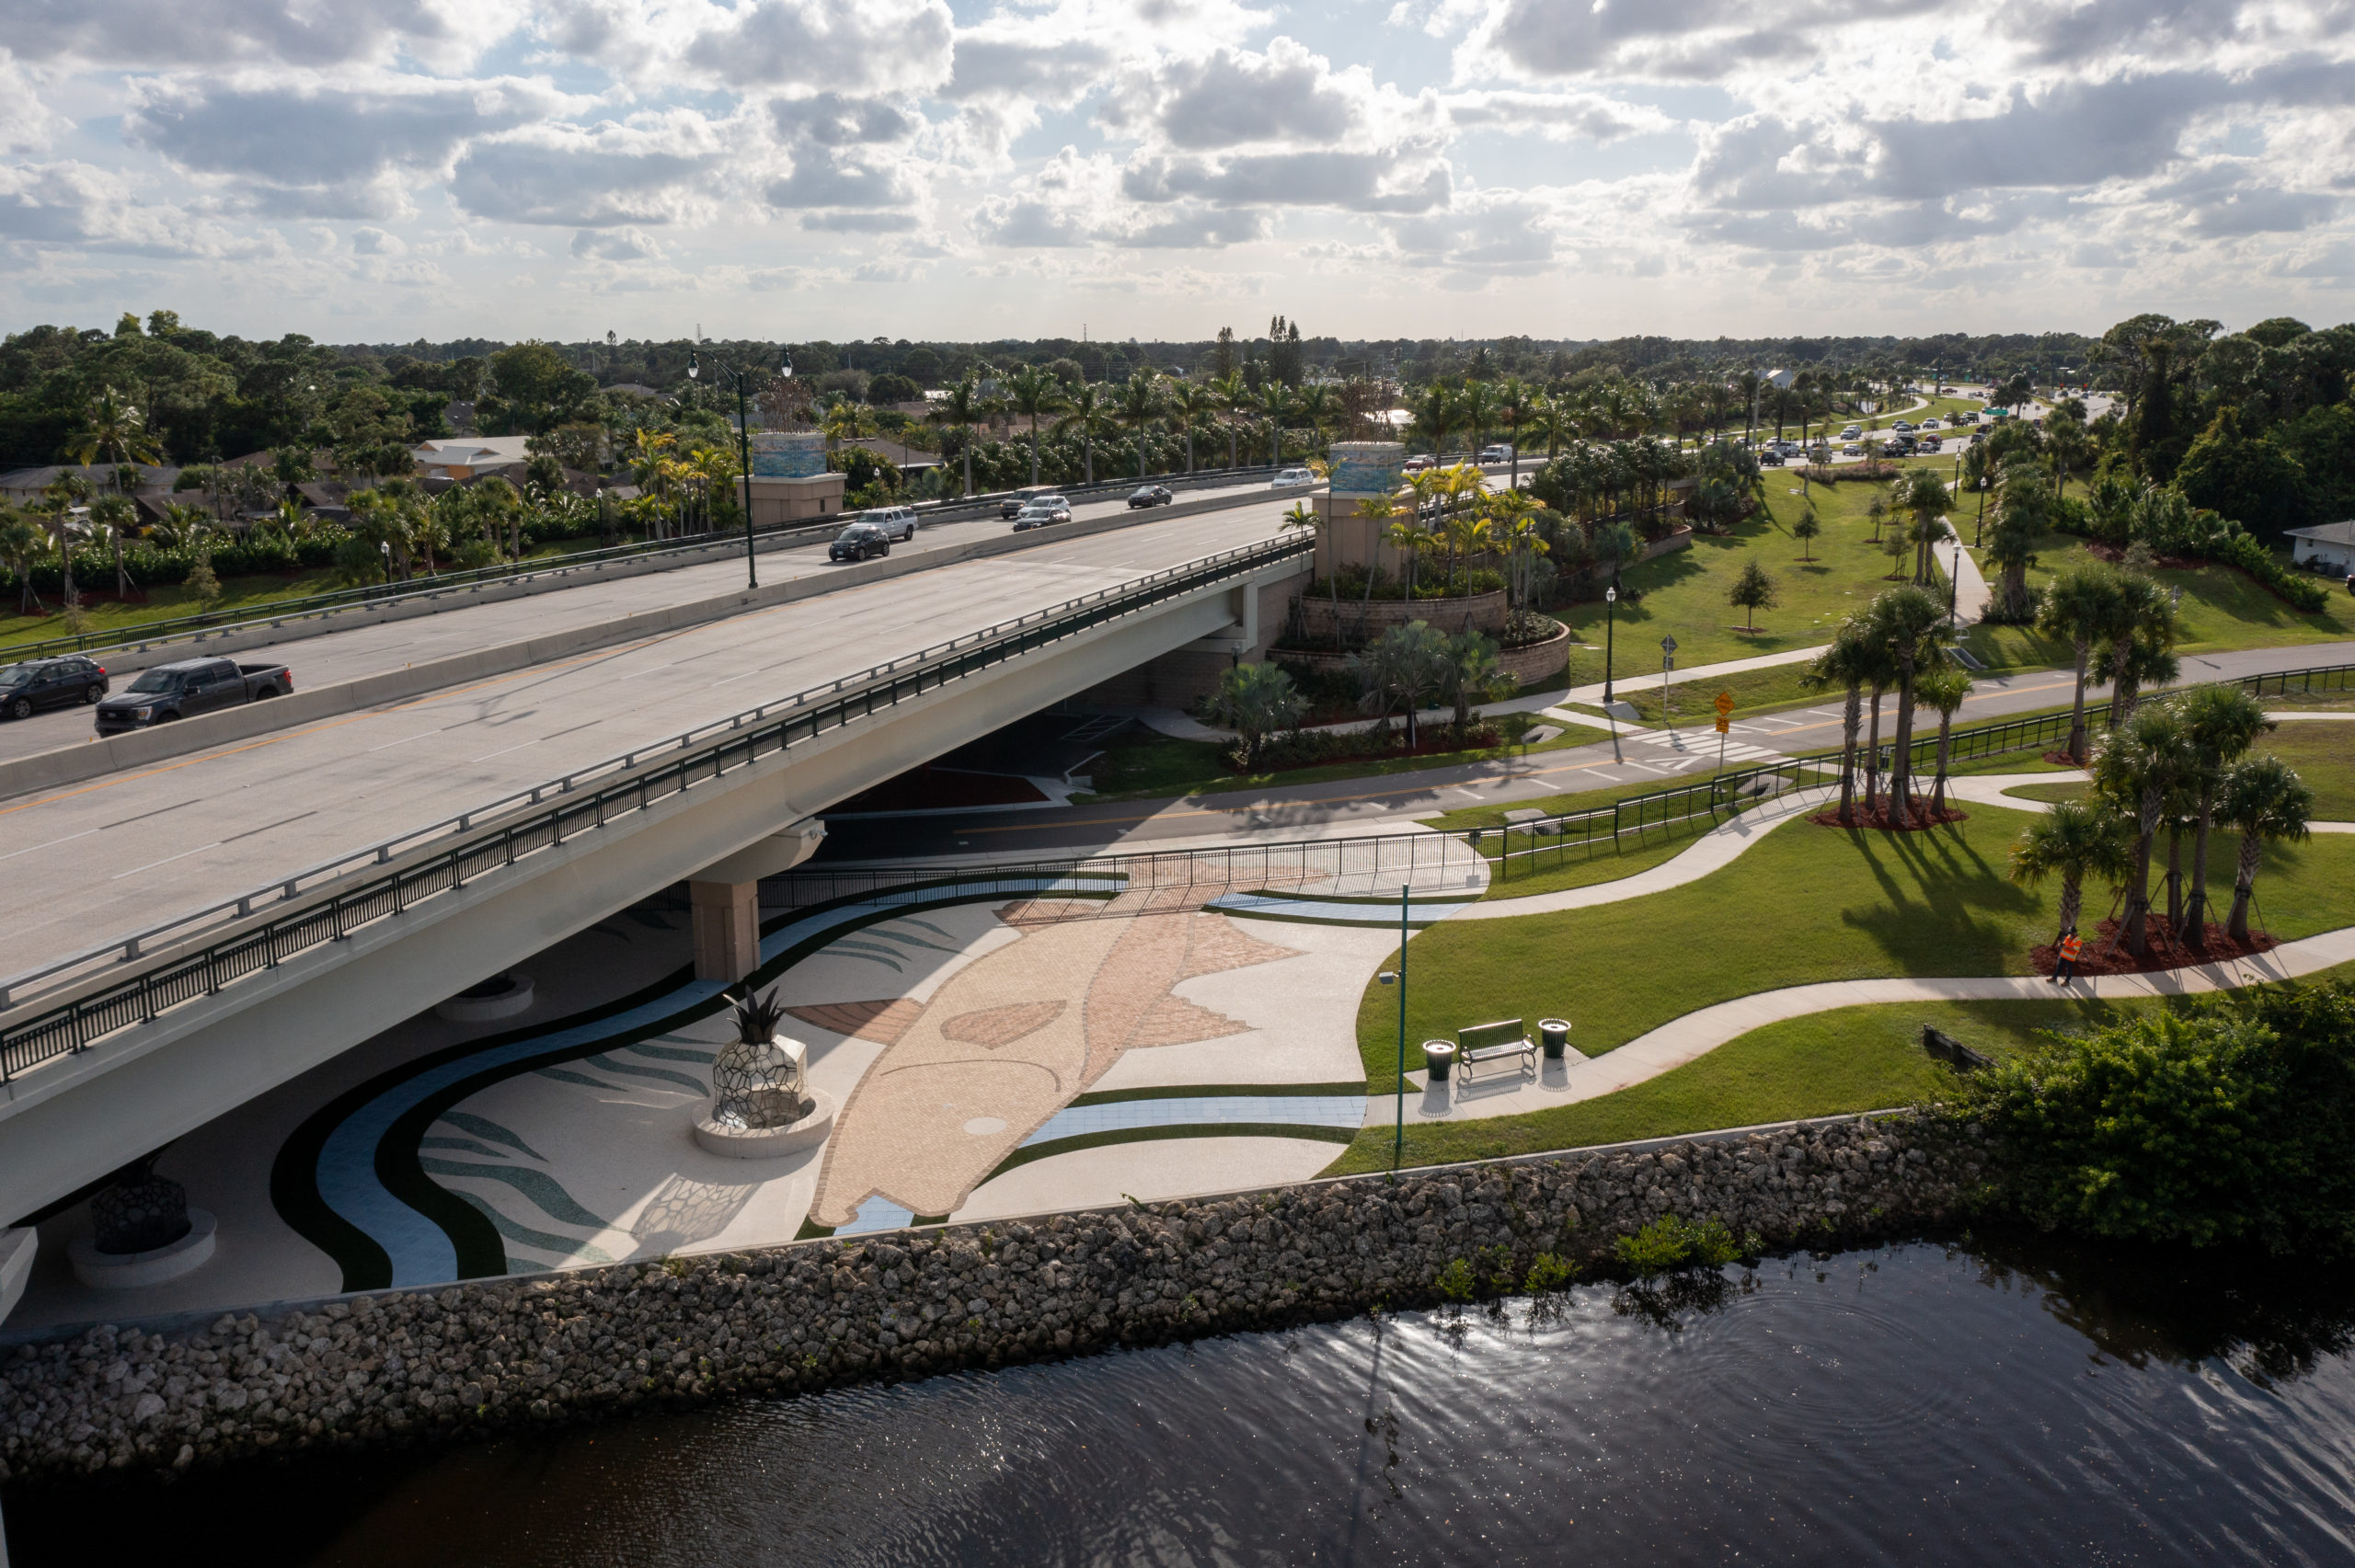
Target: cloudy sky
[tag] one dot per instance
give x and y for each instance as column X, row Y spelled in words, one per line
column 384, row 169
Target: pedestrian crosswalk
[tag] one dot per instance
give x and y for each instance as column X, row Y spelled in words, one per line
column 1667, row 751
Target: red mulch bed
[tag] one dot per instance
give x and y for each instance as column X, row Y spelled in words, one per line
column 1879, row 817
column 2102, row 957
column 2063, row 758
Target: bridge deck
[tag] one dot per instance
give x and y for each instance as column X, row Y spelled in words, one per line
column 105, row 858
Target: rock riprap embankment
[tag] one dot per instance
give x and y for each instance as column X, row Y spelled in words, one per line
column 815, row 1314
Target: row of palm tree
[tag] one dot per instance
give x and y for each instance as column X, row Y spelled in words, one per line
column 1896, row 644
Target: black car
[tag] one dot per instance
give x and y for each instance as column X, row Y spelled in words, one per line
column 860, row 542
column 1151, row 496
column 50, row 683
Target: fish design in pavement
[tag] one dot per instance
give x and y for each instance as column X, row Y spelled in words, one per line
column 1009, row 1040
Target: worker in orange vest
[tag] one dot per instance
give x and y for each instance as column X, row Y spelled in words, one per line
column 2072, row 946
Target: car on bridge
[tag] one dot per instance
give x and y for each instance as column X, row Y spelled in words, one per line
column 1012, row 506
column 1416, row 464
column 897, row 522
column 1495, row 454
column 50, row 683
column 861, row 541
column 189, row 688
column 1292, row 478
column 1042, row 511
column 1151, row 496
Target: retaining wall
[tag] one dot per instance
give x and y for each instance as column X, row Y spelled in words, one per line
column 402, row 1365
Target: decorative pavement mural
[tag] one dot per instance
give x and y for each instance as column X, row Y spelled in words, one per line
column 968, row 1027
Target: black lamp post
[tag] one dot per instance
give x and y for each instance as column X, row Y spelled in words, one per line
column 1609, row 625
column 742, row 377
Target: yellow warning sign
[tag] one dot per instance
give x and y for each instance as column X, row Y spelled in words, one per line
column 1724, row 724
column 1725, row 702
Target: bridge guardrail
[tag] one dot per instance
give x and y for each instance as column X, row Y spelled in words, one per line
column 690, row 758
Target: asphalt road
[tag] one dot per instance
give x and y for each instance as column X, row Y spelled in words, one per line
column 116, row 853
column 362, row 647
column 1398, row 799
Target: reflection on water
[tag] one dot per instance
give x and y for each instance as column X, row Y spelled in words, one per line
column 2004, row 1403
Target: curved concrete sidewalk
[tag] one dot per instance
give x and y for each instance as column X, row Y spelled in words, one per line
column 1713, row 849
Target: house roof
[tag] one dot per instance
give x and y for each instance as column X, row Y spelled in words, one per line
column 2326, row 533
column 29, row 481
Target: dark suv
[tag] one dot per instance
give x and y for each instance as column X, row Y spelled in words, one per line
column 50, row 683
column 858, row 542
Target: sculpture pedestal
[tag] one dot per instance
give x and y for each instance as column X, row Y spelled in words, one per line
column 767, row 1142
column 127, row 1271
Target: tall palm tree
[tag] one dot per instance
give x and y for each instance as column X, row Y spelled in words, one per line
column 1945, row 690
column 2022, row 513
column 1926, row 497
column 1034, row 393
column 1192, row 406
column 2139, row 767
column 1434, row 408
column 114, row 432
column 1848, row 663
column 2266, row 800
column 1274, row 406
column 1553, row 420
column 2139, row 650
column 1516, row 400
column 2222, row 723
column 1408, row 535
column 1139, row 406
column 1907, row 622
column 1314, row 408
column 117, row 519
column 1476, row 404
column 1233, row 394
column 2075, row 839
column 960, row 408
column 22, row 544
column 2082, row 603
column 1089, row 411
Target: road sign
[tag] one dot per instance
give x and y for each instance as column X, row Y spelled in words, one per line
column 1724, row 724
column 1666, row 661
column 1725, row 702
column 1668, row 645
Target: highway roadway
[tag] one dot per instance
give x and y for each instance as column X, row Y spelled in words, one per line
column 362, row 647
column 1395, row 801
column 116, row 853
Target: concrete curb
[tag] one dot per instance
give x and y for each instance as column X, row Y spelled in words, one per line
column 72, row 764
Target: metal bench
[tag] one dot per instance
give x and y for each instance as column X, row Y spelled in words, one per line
column 1494, row 1042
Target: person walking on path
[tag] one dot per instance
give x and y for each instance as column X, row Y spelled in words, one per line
column 2072, row 946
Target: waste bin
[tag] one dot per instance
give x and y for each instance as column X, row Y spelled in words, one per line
column 1438, row 1057
column 1553, row 1034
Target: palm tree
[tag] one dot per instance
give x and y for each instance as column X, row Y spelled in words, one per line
column 22, row 544
column 1408, row 535
column 1926, row 497
column 1233, row 394
column 1476, row 406
column 1316, row 409
column 115, row 434
column 2222, row 723
column 1033, row 393
column 2082, row 603
column 1472, row 674
column 1275, row 407
column 1321, row 524
column 2022, row 512
column 1381, row 512
column 1517, row 534
column 2266, row 800
column 1848, row 663
column 1907, row 622
column 1516, row 401
column 1139, row 406
column 1435, row 415
column 2139, row 767
column 2139, row 650
column 1945, row 690
column 1254, row 699
column 117, row 518
column 1403, row 664
column 2076, row 839
column 1553, row 419
column 1088, row 410
column 1191, row 406
column 961, row 407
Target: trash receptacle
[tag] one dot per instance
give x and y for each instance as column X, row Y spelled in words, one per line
column 1553, row 1034
column 1438, row 1057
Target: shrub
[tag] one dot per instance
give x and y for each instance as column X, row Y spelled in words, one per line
column 2300, row 593
column 1454, row 1282
column 1669, row 1243
column 2232, row 1122
column 1547, row 1274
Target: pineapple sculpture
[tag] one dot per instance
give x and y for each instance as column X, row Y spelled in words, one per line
column 757, row 1082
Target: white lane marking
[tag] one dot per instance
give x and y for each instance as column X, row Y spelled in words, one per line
column 165, row 861
column 404, row 740
column 51, row 844
column 502, row 751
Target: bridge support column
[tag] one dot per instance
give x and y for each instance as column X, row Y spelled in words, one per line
column 725, row 898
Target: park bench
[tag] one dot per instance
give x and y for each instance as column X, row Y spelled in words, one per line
column 1493, row 1042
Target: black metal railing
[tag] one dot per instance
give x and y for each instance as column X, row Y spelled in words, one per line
column 338, row 909
column 2299, row 682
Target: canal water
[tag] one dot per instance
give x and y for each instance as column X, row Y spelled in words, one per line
column 1997, row 1402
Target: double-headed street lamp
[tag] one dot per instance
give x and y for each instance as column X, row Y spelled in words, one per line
column 741, row 375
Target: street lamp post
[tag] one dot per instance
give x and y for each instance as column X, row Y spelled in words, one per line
column 742, row 376
column 1954, row 585
column 384, row 548
column 1398, row 1139
column 1609, row 625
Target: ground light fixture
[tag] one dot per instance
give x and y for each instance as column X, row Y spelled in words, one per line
column 740, row 377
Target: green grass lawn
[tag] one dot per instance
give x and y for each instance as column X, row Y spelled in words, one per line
column 113, row 619
column 2324, row 755
column 1162, row 765
column 1807, row 904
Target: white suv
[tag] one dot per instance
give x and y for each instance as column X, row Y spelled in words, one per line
column 898, row 522
column 1290, row 477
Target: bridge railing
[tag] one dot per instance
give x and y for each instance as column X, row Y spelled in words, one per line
column 334, row 904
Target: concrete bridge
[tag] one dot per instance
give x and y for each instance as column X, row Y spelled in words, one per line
column 189, row 932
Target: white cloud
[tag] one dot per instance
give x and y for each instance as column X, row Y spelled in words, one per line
column 854, row 46
column 660, row 169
